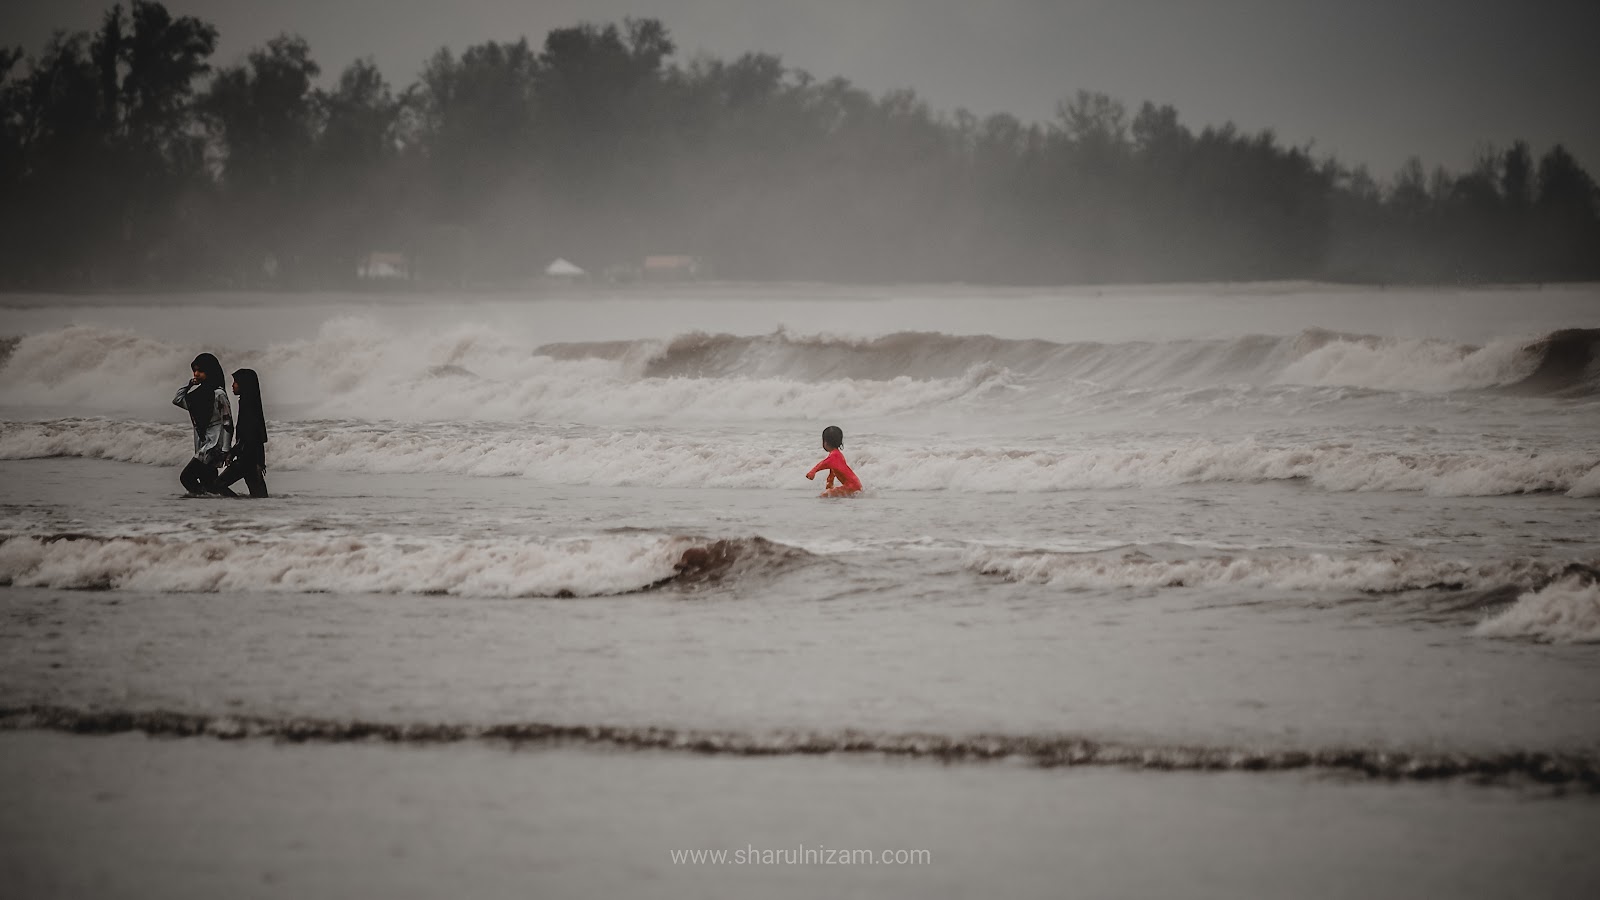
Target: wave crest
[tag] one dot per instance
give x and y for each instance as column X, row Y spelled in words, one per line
column 584, row 567
column 1560, row 363
column 356, row 368
column 1383, row 572
column 1566, row 611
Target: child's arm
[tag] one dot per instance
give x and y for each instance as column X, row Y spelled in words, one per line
column 827, row 463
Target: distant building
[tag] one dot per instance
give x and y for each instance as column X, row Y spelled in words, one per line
column 383, row 266
column 671, row 268
column 561, row 270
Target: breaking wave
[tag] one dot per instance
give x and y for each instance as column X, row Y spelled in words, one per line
column 1562, row 363
column 1574, row 769
column 1566, row 611
column 1381, row 572
column 376, row 563
column 356, row 368
column 1568, row 364
column 1555, row 601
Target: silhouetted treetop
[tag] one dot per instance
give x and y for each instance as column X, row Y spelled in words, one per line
column 126, row 157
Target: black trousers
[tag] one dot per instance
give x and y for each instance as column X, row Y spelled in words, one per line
column 248, row 469
column 200, row 477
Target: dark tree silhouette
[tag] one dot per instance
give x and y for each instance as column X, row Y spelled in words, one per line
column 263, row 118
column 596, row 145
column 154, row 159
column 355, row 174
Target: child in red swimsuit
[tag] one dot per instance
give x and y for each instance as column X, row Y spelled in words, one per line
column 832, row 440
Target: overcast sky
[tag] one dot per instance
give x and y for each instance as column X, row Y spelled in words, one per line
column 1369, row 81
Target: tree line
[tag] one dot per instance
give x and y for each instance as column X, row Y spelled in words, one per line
column 127, row 158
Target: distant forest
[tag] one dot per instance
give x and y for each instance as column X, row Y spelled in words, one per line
column 128, row 160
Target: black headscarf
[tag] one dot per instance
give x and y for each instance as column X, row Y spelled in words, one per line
column 203, row 402
column 252, row 423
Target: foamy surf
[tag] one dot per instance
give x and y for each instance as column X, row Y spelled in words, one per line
column 1555, row 606
column 584, row 456
column 378, row 563
column 1312, row 357
column 1566, row 611
column 1378, row 572
column 356, row 367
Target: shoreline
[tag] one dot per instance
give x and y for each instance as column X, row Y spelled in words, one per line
column 1573, row 769
column 134, row 816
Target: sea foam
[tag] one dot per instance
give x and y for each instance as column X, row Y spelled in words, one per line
column 378, row 563
column 1566, row 611
column 1383, row 572
column 600, row 457
column 355, row 367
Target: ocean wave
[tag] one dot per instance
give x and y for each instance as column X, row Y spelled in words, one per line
column 1561, row 363
column 1393, row 364
column 1048, row 750
column 1568, row 364
column 1378, row 572
column 622, row 458
column 376, row 563
column 1565, row 611
column 356, row 368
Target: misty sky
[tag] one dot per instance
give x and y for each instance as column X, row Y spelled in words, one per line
column 1370, row 81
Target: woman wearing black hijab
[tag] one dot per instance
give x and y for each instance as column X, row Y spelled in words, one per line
column 248, row 458
column 212, row 418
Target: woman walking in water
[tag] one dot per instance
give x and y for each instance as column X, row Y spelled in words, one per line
column 248, row 458
column 212, row 418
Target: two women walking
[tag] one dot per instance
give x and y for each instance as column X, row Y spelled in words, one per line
column 216, row 442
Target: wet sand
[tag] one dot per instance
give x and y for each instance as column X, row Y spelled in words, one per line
column 131, row 816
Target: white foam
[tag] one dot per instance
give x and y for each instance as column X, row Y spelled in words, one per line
column 609, row 564
column 90, row 367
column 1386, row 572
column 1587, row 485
column 1566, row 611
column 1411, row 365
column 96, row 439
column 1327, row 466
column 355, row 368
column 358, row 367
column 673, row 459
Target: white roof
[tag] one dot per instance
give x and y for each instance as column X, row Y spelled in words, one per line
column 562, row 267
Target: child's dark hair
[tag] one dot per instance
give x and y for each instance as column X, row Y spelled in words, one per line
column 833, row 437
